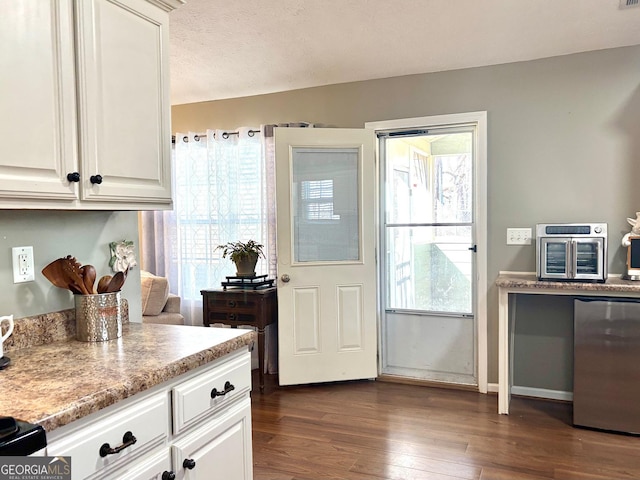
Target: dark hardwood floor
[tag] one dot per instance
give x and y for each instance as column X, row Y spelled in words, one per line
column 370, row 430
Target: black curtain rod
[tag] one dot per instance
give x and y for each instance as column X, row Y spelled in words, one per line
column 225, row 135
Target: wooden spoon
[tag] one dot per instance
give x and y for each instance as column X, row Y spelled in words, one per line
column 116, row 282
column 55, row 273
column 89, row 277
column 103, row 283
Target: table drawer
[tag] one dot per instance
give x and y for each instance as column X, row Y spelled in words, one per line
column 231, row 317
column 147, row 420
column 195, row 399
column 232, row 302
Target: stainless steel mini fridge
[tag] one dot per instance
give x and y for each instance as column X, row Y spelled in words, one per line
column 606, row 371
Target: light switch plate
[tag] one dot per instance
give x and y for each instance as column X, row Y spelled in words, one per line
column 23, row 269
column 518, row 236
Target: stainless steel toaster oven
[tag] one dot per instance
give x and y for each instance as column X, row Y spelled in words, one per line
column 571, row 252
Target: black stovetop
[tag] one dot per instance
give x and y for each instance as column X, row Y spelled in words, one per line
column 25, row 439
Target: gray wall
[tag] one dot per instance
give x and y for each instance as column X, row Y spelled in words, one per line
column 54, row 234
column 563, row 146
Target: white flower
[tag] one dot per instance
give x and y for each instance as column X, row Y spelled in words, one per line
column 122, row 256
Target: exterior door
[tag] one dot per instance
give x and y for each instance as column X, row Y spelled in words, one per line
column 428, row 249
column 326, row 259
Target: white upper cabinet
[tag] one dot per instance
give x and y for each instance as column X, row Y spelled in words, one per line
column 85, row 108
column 124, row 101
column 37, row 102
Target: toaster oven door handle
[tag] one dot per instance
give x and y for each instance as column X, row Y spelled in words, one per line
column 572, row 255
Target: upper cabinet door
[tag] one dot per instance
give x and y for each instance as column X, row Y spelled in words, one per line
column 123, row 83
column 37, row 101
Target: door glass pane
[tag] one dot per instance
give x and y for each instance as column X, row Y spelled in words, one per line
column 430, row 178
column 325, row 193
column 556, row 257
column 429, row 268
column 587, row 258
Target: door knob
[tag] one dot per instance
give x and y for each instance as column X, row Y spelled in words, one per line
column 285, row 278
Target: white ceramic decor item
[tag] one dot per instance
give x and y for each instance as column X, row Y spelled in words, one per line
column 9, row 320
column 635, row 230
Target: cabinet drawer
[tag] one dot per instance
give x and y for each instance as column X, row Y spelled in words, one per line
column 149, row 468
column 147, row 420
column 196, row 399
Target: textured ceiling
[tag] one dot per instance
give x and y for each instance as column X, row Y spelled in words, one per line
column 224, row 49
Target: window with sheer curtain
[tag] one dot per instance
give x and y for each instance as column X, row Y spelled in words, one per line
column 224, row 190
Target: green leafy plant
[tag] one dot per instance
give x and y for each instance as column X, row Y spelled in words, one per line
column 236, row 251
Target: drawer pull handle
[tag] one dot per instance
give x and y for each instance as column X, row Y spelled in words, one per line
column 189, row 463
column 127, row 440
column 228, row 386
column 231, row 303
column 168, row 475
column 232, row 316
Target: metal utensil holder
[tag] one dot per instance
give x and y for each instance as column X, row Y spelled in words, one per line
column 98, row 317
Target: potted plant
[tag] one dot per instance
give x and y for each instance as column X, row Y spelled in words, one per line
column 244, row 255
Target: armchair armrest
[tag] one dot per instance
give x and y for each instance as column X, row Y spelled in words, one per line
column 173, row 304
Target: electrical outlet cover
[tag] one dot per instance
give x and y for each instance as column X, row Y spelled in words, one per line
column 23, row 265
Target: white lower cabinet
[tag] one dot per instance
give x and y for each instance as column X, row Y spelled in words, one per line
column 196, row 426
column 219, row 449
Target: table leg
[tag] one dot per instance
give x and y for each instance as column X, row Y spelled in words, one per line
column 504, row 388
column 261, row 357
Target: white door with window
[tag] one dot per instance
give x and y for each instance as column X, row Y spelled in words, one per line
column 326, row 254
column 429, row 241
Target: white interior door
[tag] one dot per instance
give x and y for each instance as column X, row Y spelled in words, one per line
column 326, row 259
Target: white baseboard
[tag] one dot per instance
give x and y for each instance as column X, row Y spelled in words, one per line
column 492, row 388
column 542, row 393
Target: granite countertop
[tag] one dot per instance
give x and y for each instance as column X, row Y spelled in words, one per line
column 59, row 382
column 530, row 281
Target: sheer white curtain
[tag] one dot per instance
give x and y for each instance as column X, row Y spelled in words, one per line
column 224, row 190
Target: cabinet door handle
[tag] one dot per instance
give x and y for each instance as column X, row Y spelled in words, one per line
column 95, row 179
column 232, row 303
column 228, row 386
column 73, row 177
column 168, row 475
column 127, row 440
column 189, row 463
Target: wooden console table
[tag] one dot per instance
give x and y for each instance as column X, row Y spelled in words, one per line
column 257, row 308
column 510, row 284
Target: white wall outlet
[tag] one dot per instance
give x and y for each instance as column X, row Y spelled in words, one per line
column 518, row 236
column 23, row 269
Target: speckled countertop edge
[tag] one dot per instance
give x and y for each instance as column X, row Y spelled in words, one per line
column 523, row 281
column 54, row 384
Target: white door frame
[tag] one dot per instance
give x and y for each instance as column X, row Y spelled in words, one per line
column 480, row 204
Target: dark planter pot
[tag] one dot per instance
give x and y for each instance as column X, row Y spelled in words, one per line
column 246, row 266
